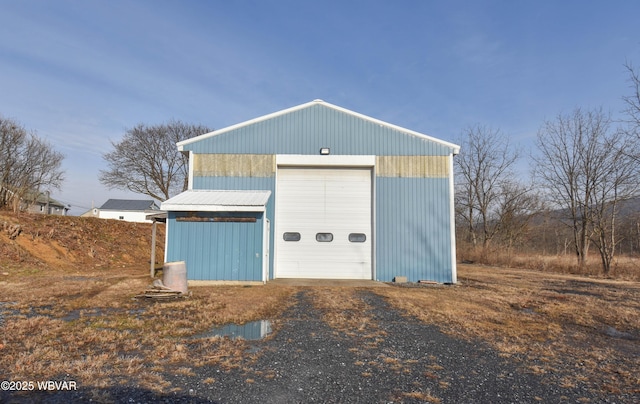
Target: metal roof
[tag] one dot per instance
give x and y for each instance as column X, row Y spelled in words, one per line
column 129, row 204
column 43, row 199
column 218, row 201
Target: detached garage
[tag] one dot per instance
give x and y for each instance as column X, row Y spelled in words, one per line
column 315, row 191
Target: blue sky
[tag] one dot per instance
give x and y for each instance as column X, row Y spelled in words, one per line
column 80, row 72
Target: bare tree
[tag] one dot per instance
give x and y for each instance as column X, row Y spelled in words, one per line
column 12, row 136
column 585, row 167
column 147, row 161
column 27, row 164
column 620, row 174
column 485, row 167
column 633, row 101
column 518, row 205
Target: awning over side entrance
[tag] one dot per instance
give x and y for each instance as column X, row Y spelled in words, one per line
column 217, row 201
column 221, row 235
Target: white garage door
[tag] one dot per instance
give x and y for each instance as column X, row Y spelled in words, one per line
column 323, row 223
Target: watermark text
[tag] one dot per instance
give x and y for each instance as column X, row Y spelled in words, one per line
column 38, row 385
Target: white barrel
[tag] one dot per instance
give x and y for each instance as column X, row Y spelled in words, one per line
column 174, row 276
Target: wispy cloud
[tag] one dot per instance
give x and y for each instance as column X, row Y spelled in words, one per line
column 480, row 51
column 81, row 73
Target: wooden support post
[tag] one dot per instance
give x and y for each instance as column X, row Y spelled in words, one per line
column 153, row 248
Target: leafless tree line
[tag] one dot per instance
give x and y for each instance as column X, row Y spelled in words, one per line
column 585, row 166
column 28, row 165
column 633, row 101
column 491, row 203
column 587, row 170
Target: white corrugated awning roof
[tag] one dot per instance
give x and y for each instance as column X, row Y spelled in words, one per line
column 218, row 201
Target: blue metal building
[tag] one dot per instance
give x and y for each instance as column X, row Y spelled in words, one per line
column 315, row 191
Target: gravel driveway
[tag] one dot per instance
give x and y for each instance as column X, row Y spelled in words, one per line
column 413, row 362
column 307, row 361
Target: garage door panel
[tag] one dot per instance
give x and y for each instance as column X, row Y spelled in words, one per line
column 319, row 200
column 318, row 269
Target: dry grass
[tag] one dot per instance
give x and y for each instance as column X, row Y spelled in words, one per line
column 344, row 311
column 623, row 267
column 88, row 326
column 67, row 284
column 85, row 324
column 552, row 322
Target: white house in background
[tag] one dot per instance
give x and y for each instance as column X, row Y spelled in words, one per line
column 128, row 210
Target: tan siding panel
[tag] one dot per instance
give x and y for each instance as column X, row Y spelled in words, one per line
column 412, row 166
column 234, row 165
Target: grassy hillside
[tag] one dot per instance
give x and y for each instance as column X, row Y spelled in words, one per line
column 75, row 243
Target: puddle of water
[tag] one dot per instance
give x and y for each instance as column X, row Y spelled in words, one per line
column 612, row 332
column 72, row 315
column 137, row 312
column 77, row 314
column 5, row 311
column 254, row 330
column 577, row 292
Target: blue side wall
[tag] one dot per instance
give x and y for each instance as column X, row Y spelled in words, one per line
column 244, row 184
column 230, row 251
column 413, row 229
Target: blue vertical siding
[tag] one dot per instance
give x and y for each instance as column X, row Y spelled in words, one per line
column 244, row 184
column 217, row 250
column 412, row 220
column 305, row 131
column 413, row 229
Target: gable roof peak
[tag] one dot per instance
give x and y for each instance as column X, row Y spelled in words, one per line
column 454, row 147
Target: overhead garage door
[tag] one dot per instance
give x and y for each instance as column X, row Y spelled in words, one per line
column 324, row 223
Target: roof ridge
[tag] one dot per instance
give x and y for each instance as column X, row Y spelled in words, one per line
column 181, row 144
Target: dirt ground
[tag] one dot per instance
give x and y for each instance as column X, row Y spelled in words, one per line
column 579, row 334
column 67, row 314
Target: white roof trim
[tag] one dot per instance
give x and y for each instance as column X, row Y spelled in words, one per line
column 455, row 147
column 218, row 201
column 302, row 160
